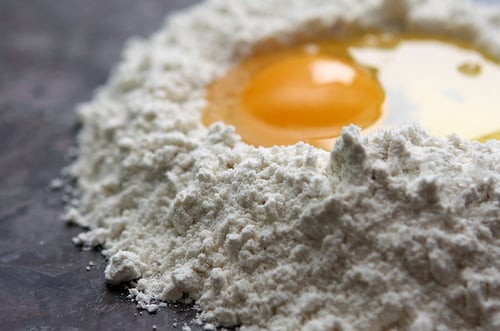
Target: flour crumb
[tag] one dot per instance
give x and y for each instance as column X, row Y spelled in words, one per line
column 209, row 327
column 123, row 266
column 56, row 184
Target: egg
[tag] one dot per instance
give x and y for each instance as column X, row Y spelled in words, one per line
column 486, row 137
column 308, row 97
column 308, row 92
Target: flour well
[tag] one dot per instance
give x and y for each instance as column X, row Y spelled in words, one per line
column 396, row 230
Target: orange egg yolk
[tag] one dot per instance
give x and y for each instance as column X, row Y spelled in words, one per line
column 309, row 92
column 310, row 97
column 299, row 94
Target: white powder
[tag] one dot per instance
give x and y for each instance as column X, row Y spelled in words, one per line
column 397, row 230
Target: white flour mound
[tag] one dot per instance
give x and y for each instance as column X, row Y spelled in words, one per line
column 397, row 230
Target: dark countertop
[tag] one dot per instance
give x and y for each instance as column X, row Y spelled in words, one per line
column 53, row 54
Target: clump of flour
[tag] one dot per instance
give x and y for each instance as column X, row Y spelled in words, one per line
column 397, row 230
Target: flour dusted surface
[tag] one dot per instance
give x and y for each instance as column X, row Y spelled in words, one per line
column 397, row 230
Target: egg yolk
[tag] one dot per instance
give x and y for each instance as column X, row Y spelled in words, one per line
column 301, row 94
column 489, row 136
column 310, row 91
column 311, row 97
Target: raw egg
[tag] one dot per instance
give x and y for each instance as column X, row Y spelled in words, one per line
column 308, row 92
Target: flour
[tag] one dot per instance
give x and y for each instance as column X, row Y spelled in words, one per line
column 396, row 230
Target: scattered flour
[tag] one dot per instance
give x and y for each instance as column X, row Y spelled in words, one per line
column 397, row 230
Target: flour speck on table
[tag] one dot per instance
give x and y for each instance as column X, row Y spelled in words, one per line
column 394, row 230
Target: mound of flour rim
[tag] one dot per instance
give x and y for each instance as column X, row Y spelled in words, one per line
column 396, row 230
